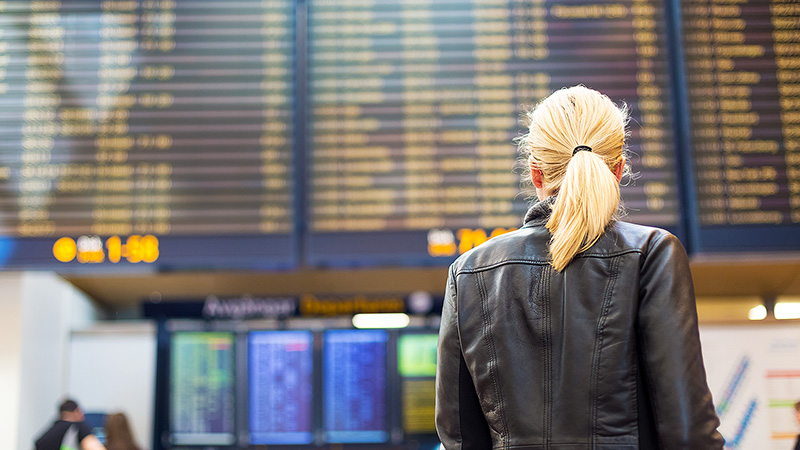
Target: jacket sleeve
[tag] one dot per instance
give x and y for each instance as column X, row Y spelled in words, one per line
column 670, row 350
column 460, row 422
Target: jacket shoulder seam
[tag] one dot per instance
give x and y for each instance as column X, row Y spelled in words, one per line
column 542, row 262
column 533, row 262
column 609, row 255
column 654, row 243
column 452, row 277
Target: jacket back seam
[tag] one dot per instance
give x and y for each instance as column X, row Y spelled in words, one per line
column 636, row 394
column 547, row 375
column 598, row 349
column 492, row 352
column 653, row 395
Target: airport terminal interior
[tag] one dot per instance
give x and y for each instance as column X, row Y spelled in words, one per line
column 232, row 221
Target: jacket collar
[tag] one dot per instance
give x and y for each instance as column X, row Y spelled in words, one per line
column 539, row 211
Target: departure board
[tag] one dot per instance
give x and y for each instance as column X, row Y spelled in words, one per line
column 164, row 118
column 354, row 386
column 202, row 388
column 416, row 363
column 414, row 106
column 280, row 386
column 743, row 71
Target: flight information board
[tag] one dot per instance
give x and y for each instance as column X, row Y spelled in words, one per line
column 202, row 388
column 146, row 134
column 743, row 70
column 354, row 386
column 416, row 363
column 165, row 119
column 280, row 387
column 414, row 106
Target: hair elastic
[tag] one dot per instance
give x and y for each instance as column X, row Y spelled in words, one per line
column 581, row 148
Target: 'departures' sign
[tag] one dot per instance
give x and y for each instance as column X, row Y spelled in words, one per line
column 249, row 307
column 311, row 305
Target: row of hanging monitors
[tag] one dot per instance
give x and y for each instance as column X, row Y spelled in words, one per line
column 298, row 387
column 176, row 134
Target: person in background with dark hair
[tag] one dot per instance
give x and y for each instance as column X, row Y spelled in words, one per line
column 578, row 331
column 69, row 431
column 118, row 433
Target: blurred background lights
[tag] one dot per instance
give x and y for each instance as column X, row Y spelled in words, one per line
column 787, row 310
column 420, row 302
column 758, row 313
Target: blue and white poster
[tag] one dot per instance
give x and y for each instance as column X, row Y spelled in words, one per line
column 754, row 375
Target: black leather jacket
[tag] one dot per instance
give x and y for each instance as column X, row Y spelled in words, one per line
column 604, row 355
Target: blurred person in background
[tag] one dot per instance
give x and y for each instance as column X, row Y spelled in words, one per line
column 797, row 417
column 577, row 331
column 118, row 433
column 69, row 432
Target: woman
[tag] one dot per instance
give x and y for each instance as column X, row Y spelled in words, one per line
column 576, row 331
column 118, row 433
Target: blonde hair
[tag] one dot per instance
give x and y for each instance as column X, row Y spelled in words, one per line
column 587, row 188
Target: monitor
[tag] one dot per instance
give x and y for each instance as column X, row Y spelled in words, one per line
column 202, row 397
column 416, row 363
column 280, row 387
column 355, row 386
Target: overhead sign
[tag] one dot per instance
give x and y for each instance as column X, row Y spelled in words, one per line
column 249, row 307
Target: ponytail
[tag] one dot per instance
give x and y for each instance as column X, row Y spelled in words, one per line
column 586, row 203
column 584, row 182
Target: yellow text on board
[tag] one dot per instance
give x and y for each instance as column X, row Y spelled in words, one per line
column 90, row 249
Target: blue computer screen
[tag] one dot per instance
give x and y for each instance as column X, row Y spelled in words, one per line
column 354, row 386
column 97, row 422
column 280, row 387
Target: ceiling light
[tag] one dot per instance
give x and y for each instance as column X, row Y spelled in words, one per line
column 393, row 320
column 787, row 310
column 757, row 313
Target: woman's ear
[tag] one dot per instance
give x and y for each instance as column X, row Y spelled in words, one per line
column 536, row 176
column 620, row 168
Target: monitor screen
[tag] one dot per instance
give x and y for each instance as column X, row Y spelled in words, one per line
column 280, row 387
column 416, row 363
column 97, row 422
column 354, row 386
column 202, row 388
column 416, row 355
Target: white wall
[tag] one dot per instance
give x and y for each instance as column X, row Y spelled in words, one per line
column 37, row 312
column 10, row 357
column 112, row 369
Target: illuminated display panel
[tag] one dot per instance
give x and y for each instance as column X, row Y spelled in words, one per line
column 165, row 118
column 354, row 386
column 202, row 388
column 280, row 387
column 744, row 98
column 416, row 363
column 414, row 106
